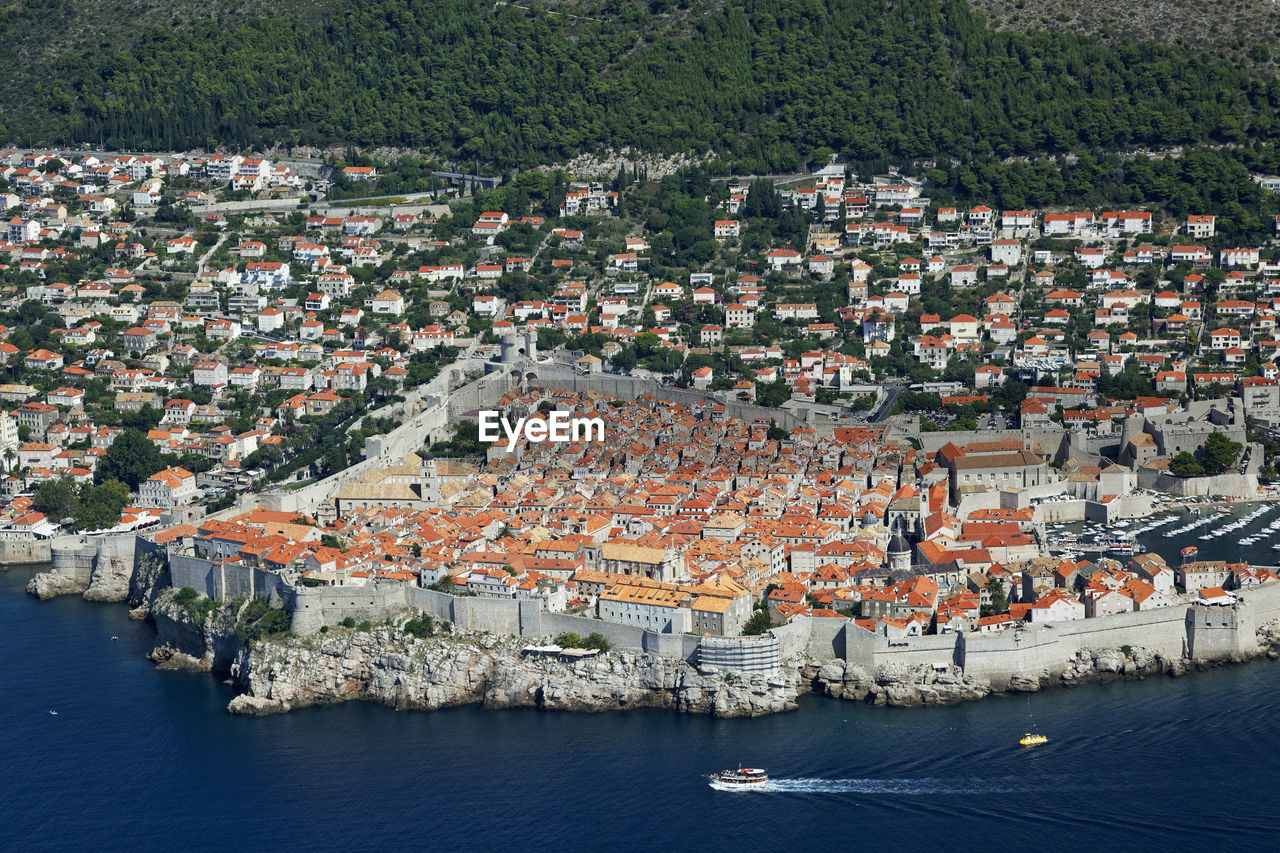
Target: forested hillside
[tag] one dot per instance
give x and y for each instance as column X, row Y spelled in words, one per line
column 1240, row 27
column 769, row 84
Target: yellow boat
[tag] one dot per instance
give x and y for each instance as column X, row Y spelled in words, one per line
column 1032, row 740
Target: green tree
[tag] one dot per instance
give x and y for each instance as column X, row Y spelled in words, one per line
column 999, row 604
column 759, row 622
column 773, row 394
column 421, row 626
column 100, row 506
column 646, row 343
column 1218, row 453
column 145, row 418
column 465, row 442
column 1185, row 465
column 57, row 499
column 130, row 459
column 624, row 360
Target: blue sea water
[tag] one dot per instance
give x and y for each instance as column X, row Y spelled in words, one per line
column 138, row 759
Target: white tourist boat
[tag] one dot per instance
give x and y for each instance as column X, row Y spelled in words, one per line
column 1121, row 546
column 742, row 779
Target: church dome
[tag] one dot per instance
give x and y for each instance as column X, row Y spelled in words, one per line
column 898, row 544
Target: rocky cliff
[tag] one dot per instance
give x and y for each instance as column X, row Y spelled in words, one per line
column 1113, row 664
column 1269, row 639
column 109, row 580
column 202, row 639
column 897, row 685
column 115, row 576
column 46, row 585
column 901, row 685
column 150, row 576
column 387, row 666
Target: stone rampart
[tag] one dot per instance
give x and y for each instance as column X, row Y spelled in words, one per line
column 1059, row 512
column 629, row 388
column 73, row 557
column 195, row 572
column 1187, row 630
column 998, row 657
column 1203, row 633
column 320, row 606
column 313, row 608
column 793, row 638
column 684, row 646
column 442, row 399
column 1230, row 485
column 19, row 550
column 1162, row 630
column 745, row 654
column 933, row 650
column 222, row 581
column 1263, row 600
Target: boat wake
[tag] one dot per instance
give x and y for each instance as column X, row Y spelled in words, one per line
column 883, row 787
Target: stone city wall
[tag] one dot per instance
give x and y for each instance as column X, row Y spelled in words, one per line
column 812, row 638
column 744, row 654
column 793, row 638
column 1205, row 633
column 73, row 557
column 1263, row 600
column 314, row 607
column 221, row 581
column 1229, row 485
column 630, row 387
column 935, row 650
column 23, row 549
column 1061, row 512
column 440, row 402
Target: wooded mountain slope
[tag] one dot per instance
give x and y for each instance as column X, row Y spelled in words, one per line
column 1242, row 27
column 769, row 84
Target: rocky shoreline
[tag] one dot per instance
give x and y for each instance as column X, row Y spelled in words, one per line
column 898, row 685
column 112, row 580
column 387, row 664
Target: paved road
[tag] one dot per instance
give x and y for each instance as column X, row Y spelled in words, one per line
column 892, row 393
column 308, row 206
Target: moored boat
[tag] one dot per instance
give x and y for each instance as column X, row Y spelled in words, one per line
column 1121, row 546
